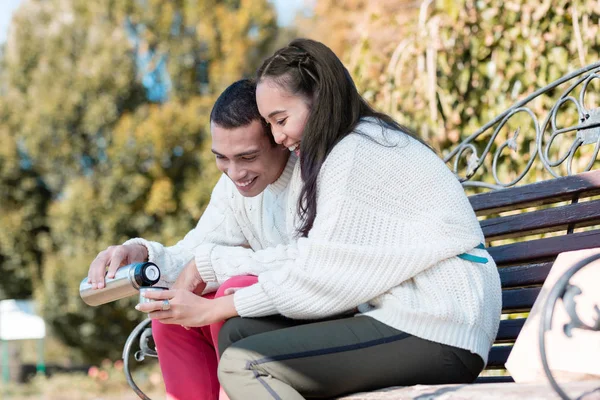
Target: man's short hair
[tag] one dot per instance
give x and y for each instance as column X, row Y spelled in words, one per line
column 236, row 107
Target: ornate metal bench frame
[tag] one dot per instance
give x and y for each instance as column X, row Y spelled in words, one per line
column 143, row 332
column 587, row 132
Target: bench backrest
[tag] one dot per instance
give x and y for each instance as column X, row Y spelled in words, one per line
column 565, row 220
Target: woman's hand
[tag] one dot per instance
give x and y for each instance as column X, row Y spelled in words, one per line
column 181, row 307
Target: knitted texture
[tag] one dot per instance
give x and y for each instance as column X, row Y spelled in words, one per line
column 391, row 219
column 234, row 224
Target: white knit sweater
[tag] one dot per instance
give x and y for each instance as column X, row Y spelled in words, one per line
column 391, row 220
column 233, row 222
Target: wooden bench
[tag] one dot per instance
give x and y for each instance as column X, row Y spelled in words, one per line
column 524, row 265
column 525, row 228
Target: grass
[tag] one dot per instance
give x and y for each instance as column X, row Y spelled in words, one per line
column 104, row 382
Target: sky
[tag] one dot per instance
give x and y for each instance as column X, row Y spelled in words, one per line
column 286, row 10
column 6, row 9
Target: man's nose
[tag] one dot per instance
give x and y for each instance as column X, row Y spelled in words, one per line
column 236, row 172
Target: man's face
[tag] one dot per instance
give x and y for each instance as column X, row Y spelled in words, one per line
column 247, row 157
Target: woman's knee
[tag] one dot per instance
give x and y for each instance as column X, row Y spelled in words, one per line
column 232, row 331
column 236, row 282
column 234, row 363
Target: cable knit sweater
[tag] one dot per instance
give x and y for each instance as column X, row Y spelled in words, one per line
column 391, row 220
column 233, row 222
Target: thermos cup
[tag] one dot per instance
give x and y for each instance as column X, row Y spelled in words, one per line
column 127, row 281
column 144, row 290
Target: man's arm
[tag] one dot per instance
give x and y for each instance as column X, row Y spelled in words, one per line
column 217, row 226
column 217, row 263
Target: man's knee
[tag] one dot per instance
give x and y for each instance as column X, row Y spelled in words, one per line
column 162, row 331
column 236, row 282
column 171, row 335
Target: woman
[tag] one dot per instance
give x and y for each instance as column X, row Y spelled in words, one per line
column 386, row 232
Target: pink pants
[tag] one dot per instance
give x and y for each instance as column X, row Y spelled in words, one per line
column 188, row 358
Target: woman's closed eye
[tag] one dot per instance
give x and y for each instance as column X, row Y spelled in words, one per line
column 281, row 122
column 249, row 158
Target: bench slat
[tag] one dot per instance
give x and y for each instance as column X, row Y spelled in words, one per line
column 546, row 192
column 519, row 300
column 494, row 379
column 509, row 330
column 498, row 356
column 544, row 249
column 524, row 275
column 542, row 221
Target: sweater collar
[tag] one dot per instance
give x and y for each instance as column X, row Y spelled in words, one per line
column 282, row 182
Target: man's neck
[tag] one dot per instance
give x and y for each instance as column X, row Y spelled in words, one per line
column 279, row 184
column 283, row 165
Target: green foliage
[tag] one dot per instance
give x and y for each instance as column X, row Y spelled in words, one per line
column 24, row 200
column 458, row 64
column 88, row 161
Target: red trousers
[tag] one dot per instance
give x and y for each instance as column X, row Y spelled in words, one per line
column 188, row 358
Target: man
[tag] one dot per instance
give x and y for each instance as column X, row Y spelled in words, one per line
column 241, row 213
column 249, row 212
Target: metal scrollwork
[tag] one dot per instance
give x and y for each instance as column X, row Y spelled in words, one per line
column 568, row 293
column 587, row 132
column 144, row 332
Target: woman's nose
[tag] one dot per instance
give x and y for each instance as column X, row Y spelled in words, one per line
column 279, row 137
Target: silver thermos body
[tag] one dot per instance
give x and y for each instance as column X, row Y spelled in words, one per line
column 127, row 282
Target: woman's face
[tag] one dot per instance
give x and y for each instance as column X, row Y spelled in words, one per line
column 285, row 112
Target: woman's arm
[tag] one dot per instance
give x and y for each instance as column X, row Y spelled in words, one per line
column 382, row 219
column 187, row 309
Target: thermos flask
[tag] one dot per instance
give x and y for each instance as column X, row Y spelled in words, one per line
column 127, row 282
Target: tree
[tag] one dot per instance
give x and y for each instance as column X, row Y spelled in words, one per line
column 24, row 200
column 457, row 64
column 105, row 108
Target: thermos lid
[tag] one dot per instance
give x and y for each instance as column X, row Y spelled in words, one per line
column 152, row 273
column 147, row 274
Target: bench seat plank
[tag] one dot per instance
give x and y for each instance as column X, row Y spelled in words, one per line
column 498, row 356
column 494, row 379
column 509, row 330
column 519, row 300
column 544, row 249
column 542, row 221
column 535, row 194
column 524, row 275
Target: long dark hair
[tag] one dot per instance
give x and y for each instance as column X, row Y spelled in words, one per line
column 310, row 69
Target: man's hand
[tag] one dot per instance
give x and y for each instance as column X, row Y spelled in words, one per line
column 114, row 257
column 189, row 279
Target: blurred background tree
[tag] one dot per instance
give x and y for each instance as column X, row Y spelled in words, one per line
column 444, row 68
column 104, row 111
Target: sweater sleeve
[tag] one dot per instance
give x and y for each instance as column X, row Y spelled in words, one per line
column 217, row 226
column 363, row 243
column 219, row 263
